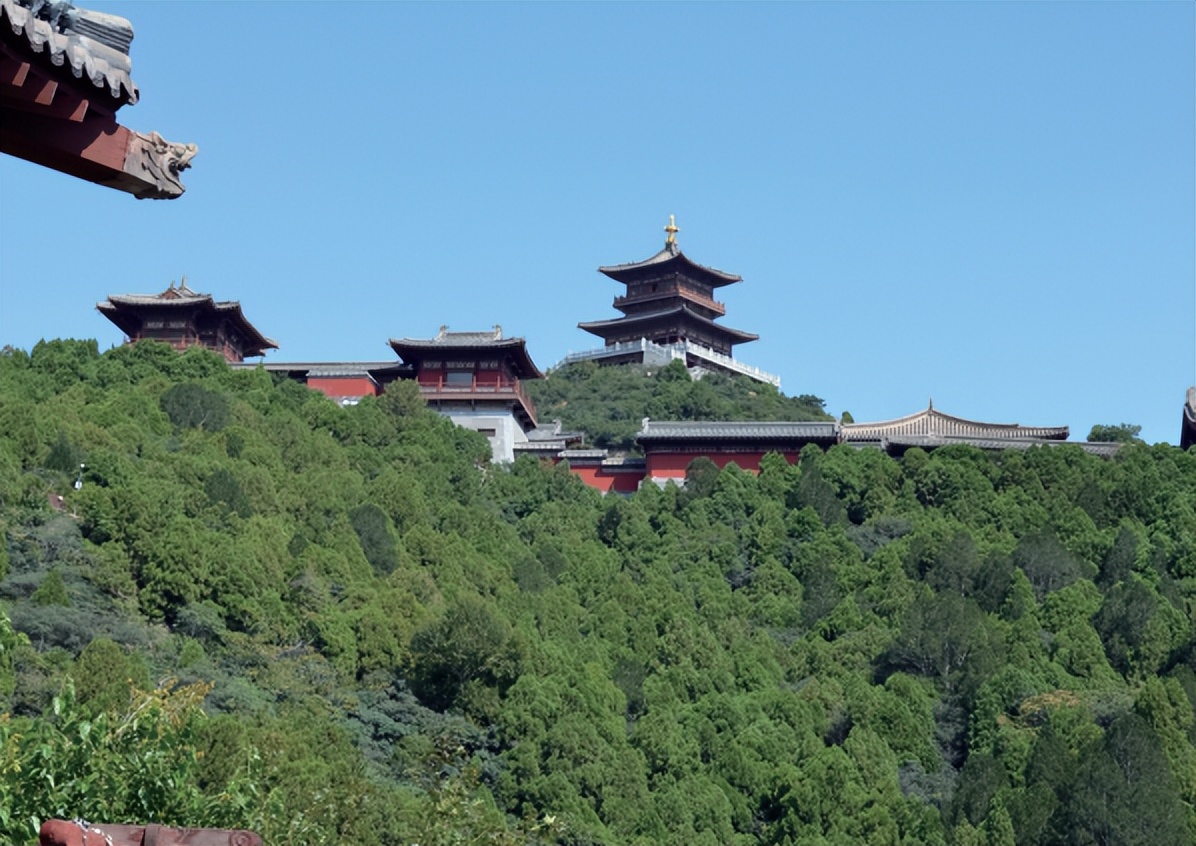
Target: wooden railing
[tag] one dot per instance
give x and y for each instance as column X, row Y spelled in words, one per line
column 482, row 391
column 669, row 293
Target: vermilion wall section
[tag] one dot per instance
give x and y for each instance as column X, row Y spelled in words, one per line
column 672, row 465
column 601, row 479
column 343, row 386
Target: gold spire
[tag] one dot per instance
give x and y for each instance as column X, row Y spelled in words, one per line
column 672, row 230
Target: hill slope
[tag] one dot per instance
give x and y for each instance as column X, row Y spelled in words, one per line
column 376, row 637
column 609, row 403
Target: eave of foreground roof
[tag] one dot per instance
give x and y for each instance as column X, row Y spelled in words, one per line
column 93, row 46
column 64, row 73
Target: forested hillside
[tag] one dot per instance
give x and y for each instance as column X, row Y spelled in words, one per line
column 608, row 404
column 343, row 625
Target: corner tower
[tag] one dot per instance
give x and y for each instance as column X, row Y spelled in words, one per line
column 183, row 318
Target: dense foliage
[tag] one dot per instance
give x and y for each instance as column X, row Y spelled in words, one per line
column 342, row 625
column 608, row 404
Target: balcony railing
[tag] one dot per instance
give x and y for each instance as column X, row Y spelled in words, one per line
column 652, row 353
column 671, row 293
column 483, row 392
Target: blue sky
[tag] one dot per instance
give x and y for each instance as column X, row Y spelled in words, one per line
column 990, row 204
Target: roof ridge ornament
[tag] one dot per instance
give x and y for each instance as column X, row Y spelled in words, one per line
column 670, row 240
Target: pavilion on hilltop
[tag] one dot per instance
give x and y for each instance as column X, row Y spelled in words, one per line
column 475, row 379
column 669, row 312
column 183, row 318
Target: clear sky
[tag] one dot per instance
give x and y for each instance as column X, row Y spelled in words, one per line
column 990, row 204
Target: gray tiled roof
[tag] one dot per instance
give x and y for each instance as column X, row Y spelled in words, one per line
column 492, row 341
column 172, row 296
column 932, row 422
column 596, row 326
column 343, row 372
column 93, row 45
column 738, row 431
column 182, row 297
column 671, row 254
column 446, row 338
column 592, row 454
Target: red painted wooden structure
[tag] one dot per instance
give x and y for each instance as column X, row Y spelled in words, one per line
column 64, row 73
column 79, row 833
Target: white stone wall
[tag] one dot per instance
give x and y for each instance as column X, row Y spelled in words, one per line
column 507, row 431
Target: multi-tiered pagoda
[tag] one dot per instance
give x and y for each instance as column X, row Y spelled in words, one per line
column 669, row 312
column 184, row 318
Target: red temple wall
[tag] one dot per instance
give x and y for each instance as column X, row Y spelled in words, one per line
column 343, row 386
column 601, row 479
column 672, row 465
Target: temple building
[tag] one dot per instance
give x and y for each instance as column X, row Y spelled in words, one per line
column 345, row 382
column 474, row 379
column 183, row 318
column 669, row 312
column 669, row 447
column 548, row 440
column 931, row 428
column 64, row 73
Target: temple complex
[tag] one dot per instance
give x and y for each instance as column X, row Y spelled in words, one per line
column 64, row 73
column 669, row 447
column 669, row 312
column 474, row 379
column 183, row 318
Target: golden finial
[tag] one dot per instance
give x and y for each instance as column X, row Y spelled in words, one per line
column 672, row 230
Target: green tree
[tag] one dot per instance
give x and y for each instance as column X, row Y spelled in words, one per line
column 192, row 406
column 1122, row 433
column 471, row 643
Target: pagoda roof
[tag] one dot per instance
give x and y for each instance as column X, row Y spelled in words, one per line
column 122, row 309
column 492, row 342
column 933, row 423
column 630, row 321
column 669, row 260
column 704, row 431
